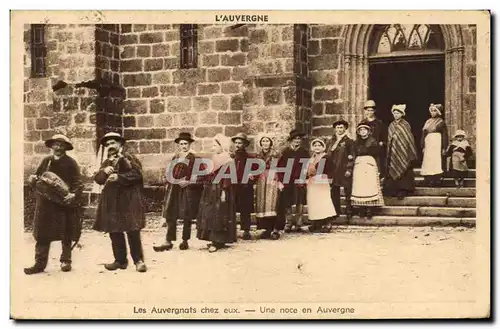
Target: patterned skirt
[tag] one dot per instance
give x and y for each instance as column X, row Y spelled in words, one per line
column 366, row 189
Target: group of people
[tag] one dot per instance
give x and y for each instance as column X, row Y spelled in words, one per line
column 276, row 187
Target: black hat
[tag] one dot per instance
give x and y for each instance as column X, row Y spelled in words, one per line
column 363, row 125
column 184, row 136
column 295, row 133
column 341, row 122
column 241, row 136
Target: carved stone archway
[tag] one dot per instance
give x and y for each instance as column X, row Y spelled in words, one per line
column 356, row 64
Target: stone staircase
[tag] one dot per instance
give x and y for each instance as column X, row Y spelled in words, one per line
column 428, row 206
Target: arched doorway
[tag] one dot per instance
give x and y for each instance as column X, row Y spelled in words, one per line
column 406, row 66
column 363, row 50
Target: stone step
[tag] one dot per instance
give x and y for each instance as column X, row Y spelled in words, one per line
column 445, row 191
column 447, row 182
column 430, row 201
column 419, row 211
column 470, row 174
column 408, row 221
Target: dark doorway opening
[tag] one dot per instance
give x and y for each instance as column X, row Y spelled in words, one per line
column 414, row 83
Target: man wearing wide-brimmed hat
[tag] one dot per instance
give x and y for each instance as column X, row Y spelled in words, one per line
column 182, row 196
column 244, row 188
column 293, row 191
column 120, row 207
column 340, row 154
column 55, row 221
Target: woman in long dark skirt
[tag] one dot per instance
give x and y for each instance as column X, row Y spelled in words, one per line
column 401, row 153
column 216, row 220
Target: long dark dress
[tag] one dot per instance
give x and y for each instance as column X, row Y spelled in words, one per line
column 401, row 154
column 266, row 196
column 120, row 206
column 216, row 220
column 52, row 221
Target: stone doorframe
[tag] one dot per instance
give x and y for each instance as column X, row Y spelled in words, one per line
column 355, row 66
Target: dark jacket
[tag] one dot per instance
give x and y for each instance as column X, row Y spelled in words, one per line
column 296, row 169
column 182, row 203
column 120, row 207
column 341, row 159
column 244, row 195
column 52, row 221
column 368, row 146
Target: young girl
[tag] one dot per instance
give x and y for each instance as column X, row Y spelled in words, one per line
column 366, row 190
column 460, row 152
column 319, row 204
column 434, row 142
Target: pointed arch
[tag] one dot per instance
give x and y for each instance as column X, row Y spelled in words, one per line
column 358, row 40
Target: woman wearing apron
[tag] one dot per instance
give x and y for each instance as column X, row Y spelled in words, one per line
column 434, row 143
column 366, row 190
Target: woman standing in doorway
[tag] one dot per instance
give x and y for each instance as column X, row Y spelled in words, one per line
column 216, row 220
column 434, row 143
column 401, row 153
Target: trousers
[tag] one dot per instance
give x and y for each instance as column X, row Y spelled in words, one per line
column 42, row 249
column 335, row 196
column 172, row 230
column 119, row 246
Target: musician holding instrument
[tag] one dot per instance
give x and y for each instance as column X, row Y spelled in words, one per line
column 58, row 212
column 120, row 209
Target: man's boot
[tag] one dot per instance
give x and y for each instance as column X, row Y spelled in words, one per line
column 41, row 258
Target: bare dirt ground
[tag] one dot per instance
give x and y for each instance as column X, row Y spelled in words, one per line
column 351, row 264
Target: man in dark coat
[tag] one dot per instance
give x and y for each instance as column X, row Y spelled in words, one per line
column 244, row 187
column 293, row 192
column 182, row 195
column 120, row 206
column 378, row 131
column 340, row 154
column 57, row 221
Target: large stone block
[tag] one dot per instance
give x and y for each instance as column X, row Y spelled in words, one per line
column 151, row 37
column 173, row 133
column 323, row 94
column 230, row 87
column 206, row 132
column 258, row 36
column 135, row 106
column 171, row 63
column 227, row 45
column 239, row 73
column 129, row 39
column 138, row 134
column 220, row 103
column 206, row 47
column 128, row 52
column 334, row 108
column 219, row 74
column 138, row 79
column 153, row 64
column 178, row 104
column 148, row 147
column 212, row 32
column 145, row 121
column 149, row 92
column 233, row 60
column 210, row 60
column 128, row 121
column 163, row 120
column 185, row 119
column 237, row 103
column 324, row 78
column 187, row 89
column 272, row 96
column 324, row 62
column 144, row 51
column 160, row 50
column 230, row 118
column 191, row 75
column 172, row 35
column 201, row 103
column 208, row 118
column 157, row 106
column 326, row 31
column 207, row 89
column 162, row 78
column 166, row 91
